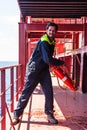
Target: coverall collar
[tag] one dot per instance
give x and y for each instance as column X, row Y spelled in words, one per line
column 46, row 38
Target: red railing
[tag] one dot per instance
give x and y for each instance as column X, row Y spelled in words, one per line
column 13, row 89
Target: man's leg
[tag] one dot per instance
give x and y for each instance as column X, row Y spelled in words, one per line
column 30, row 84
column 46, row 84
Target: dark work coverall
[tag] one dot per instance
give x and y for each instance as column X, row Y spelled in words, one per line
column 37, row 71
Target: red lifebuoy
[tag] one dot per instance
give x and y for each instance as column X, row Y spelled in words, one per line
column 64, row 77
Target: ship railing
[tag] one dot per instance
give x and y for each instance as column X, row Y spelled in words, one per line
column 9, row 92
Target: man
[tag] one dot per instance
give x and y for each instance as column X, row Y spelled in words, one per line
column 37, row 71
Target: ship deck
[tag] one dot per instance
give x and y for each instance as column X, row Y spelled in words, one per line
column 70, row 110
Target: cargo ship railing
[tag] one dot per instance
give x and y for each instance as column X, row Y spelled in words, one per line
column 12, row 75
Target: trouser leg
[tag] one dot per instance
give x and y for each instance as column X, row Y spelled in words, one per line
column 29, row 87
column 46, row 84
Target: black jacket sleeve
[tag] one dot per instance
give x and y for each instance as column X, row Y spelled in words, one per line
column 47, row 56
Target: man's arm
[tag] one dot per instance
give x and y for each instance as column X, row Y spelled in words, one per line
column 47, row 57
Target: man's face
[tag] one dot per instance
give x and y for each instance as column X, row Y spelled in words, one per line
column 51, row 31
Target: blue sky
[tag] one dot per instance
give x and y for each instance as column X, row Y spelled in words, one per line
column 9, row 18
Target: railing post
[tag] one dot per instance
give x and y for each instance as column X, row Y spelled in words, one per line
column 20, row 72
column 12, row 88
column 3, row 111
column 17, row 83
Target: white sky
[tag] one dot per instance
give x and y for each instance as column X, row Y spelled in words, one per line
column 9, row 18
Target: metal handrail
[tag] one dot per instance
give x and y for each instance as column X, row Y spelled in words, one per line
column 15, row 73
